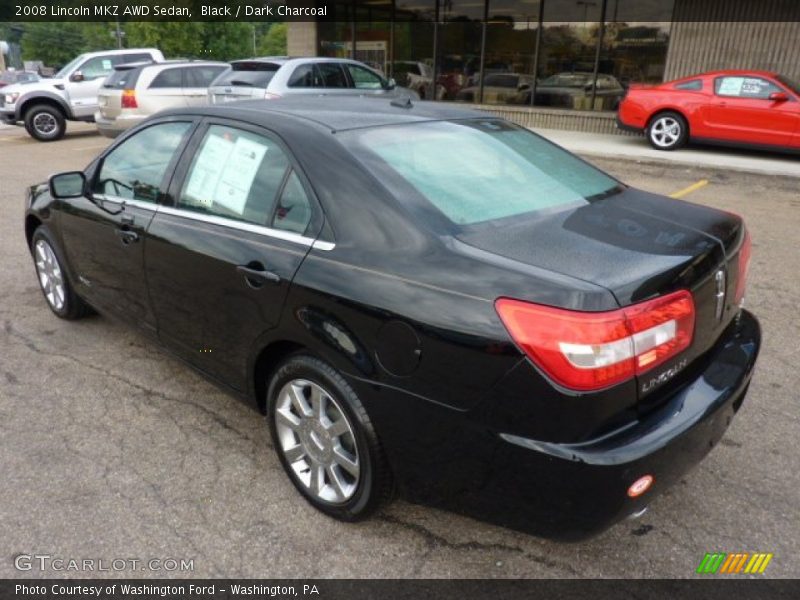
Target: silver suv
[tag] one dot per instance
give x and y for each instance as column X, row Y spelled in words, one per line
column 281, row 76
column 135, row 91
column 46, row 105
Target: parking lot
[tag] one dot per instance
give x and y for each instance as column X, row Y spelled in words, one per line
column 110, row 448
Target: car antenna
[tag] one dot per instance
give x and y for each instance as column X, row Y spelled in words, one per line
column 403, row 102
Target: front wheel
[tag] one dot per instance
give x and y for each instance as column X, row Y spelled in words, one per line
column 325, row 440
column 667, row 131
column 45, row 123
column 55, row 285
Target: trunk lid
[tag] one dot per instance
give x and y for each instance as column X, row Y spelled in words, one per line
column 638, row 246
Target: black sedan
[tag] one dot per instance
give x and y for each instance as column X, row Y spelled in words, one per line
column 421, row 299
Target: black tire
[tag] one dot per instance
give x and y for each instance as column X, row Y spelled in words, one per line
column 72, row 306
column 45, row 122
column 374, row 485
column 667, row 131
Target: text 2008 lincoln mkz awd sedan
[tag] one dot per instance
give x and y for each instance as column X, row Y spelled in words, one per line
column 421, row 298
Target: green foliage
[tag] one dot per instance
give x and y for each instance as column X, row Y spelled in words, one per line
column 274, row 42
column 226, row 41
column 174, row 38
column 57, row 43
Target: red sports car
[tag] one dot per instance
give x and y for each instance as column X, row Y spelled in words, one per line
column 757, row 109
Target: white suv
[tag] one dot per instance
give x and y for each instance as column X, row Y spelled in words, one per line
column 45, row 106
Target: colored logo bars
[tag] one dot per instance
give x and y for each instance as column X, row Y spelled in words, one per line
column 736, row 562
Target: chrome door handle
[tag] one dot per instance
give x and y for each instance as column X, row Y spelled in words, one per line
column 256, row 277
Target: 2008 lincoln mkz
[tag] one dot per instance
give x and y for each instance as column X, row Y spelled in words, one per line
column 421, row 299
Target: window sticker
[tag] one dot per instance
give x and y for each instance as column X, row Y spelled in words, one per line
column 731, row 86
column 106, row 64
column 208, row 169
column 754, row 86
column 238, row 174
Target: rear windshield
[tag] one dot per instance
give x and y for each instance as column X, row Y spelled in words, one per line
column 249, row 74
column 122, row 79
column 476, row 171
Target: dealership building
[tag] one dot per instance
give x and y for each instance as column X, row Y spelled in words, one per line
column 584, row 53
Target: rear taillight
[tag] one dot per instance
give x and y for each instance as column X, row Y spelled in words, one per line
column 744, row 266
column 129, row 99
column 593, row 350
column 271, row 96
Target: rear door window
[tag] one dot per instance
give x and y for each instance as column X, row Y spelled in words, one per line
column 235, row 174
column 168, row 78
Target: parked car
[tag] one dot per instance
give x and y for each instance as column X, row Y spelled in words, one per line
column 505, row 330
column 11, row 77
column 44, row 107
column 498, row 88
column 574, row 90
column 136, row 91
column 756, row 109
column 280, row 76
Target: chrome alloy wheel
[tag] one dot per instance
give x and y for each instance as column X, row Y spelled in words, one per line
column 317, row 441
column 44, row 123
column 50, row 277
column 665, row 132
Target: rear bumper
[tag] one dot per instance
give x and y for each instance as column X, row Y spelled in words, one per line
column 113, row 127
column 564, row 491
column 581, row 489
column 629, row 128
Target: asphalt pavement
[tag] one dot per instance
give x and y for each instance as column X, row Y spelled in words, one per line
column 111, row 449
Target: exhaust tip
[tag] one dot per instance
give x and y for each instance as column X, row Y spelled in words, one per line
column 638, row 513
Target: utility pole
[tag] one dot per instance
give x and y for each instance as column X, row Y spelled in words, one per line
column 119, row 35
column 254, row 42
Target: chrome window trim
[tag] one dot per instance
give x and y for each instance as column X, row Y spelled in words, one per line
column 128, row 202
column 279, row 234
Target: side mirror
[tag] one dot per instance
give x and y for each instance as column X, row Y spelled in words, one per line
column 76, row 77
column 71, row 184
column 779, row 97
column 391, row 84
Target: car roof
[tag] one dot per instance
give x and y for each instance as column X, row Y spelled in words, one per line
column 343, row 114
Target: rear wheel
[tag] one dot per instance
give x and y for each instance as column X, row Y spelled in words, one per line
column 45, row 123
column 55, row 285
column 325, row 440
column 667, row 131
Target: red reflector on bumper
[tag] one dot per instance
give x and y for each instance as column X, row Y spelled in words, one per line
column 640, row 486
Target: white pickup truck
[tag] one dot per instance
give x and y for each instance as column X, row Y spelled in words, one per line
column 44, row 107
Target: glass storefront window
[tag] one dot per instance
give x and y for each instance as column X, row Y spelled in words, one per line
column 569, row 54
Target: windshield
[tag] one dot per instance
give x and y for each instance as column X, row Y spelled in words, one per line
column 567, row 80
column 790, row 83
column 499, row 169
column 69, row 66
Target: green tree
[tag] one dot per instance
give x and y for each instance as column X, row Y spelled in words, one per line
column 274, row 42
column 175, row 39
column 227, row 41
